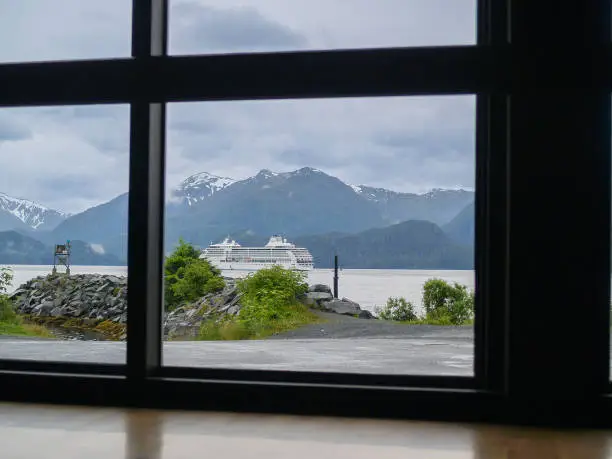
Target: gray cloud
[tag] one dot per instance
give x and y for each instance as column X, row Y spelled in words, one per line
column 64, row 29
column 63, row 164
column 71, row 158
column 199, row 28
column 203, row 26
column 407, row 143
column 12, row 130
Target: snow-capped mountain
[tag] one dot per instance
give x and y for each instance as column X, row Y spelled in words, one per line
column 438, row 205
column 267, row 177
column 374, row 194
column 29, row 213
column 200, row 186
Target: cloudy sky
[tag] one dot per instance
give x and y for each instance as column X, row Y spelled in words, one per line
column 71, row 158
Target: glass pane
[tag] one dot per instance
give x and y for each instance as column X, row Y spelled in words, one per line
column 63, row 233
column 43, row 30
column 227, row 26
column 385, row 184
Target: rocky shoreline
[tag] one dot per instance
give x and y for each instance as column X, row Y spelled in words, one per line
column 99, row 303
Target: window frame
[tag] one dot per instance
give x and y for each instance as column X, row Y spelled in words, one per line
column 500, row 70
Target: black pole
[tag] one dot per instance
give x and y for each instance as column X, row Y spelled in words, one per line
column 335, row 276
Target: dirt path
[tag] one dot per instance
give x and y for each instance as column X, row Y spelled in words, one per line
column 339, row 326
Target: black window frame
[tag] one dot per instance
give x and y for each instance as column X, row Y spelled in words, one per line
column 541, row 75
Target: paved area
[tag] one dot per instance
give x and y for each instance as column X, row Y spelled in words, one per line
column 430, row 354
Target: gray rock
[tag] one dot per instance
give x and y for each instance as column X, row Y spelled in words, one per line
column 44, row 309
column 319, row 296
column 235, row 301
column 103, row 287
column 322, row 288
column 17, row 293
column 343, row 306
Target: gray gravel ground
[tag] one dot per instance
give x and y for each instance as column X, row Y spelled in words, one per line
column 339, row 326
column 342, row 344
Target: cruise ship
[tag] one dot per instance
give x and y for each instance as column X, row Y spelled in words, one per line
column 229, row 255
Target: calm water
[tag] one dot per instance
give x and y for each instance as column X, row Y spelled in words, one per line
column 368, row 287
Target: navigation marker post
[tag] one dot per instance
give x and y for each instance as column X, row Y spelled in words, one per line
column 61, row 257
column 335, row 276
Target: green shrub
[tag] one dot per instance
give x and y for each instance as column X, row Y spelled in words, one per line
column 267, row 293
column 447, row 304
column 224, row 331
column 196, row 280
column 10, row 322
column 187, row 277
column 274, row 278
column 6, row 278
column 270, row 302
column 397, row 309
column 7, row 312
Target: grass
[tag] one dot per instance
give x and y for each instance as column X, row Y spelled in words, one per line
column 13, row 325
column 23, row 329
column 111, row 331
column 237, row 329
column 443, row 322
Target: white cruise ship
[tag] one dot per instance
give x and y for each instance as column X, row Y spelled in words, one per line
column 229, row 255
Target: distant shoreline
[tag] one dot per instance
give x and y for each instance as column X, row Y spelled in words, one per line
column 50, row 265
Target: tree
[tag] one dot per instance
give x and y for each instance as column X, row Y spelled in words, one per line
column 446, row 303
column 187, row 277
column 196, row 280
column 398, row 309
column 268, row 293
column 7, row 313
column 6, row 278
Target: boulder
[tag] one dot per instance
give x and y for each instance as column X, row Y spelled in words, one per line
column 319, row 296
column 44, row 309
column 345, row 307
column 321, row 288
column 17, row 293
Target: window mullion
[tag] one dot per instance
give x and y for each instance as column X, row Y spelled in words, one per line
column 559, row 204
column 146, row 202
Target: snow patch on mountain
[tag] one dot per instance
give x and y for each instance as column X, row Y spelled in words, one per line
column 31, row 213
column 383, row 194
column 200, row 186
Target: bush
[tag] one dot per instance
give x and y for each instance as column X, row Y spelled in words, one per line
column 270, row 300
column 225, row 331
column 447, row 304
column 187, row 277
column 398, row 309
column 7, row 312
column 196, row 280
column 6, row 278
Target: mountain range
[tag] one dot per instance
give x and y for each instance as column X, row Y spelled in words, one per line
column 18, row 213
column 305, row 203
column 17, row 248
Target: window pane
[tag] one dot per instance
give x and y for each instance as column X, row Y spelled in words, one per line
column 385, row 184
column 227, row 26
column 63, row 203
column 42, row 30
